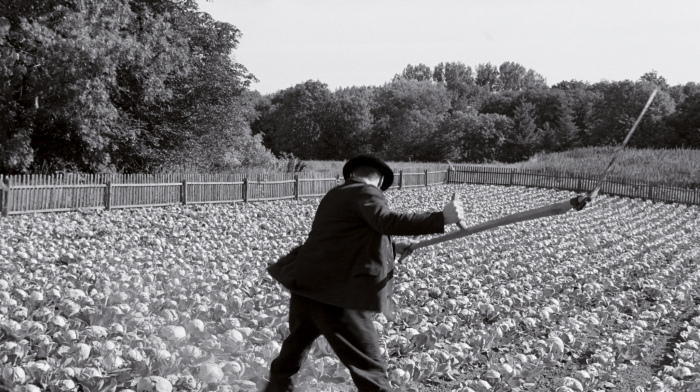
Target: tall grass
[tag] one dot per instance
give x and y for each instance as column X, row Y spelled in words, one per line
column 407, row 167
column 677, row 167
column 336, row 167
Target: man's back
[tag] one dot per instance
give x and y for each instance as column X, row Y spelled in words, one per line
column 348, row 257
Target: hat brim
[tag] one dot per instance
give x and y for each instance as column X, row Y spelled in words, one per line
column 371, row 161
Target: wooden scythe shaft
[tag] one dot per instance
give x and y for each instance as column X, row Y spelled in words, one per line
column 536, row 213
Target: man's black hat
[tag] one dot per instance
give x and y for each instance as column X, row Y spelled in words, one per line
column 371, row 161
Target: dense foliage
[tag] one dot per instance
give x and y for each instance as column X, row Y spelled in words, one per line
column 178, row 299
column 130, row 86
column 452, row 112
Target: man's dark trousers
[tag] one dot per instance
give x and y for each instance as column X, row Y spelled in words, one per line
column 349, row 332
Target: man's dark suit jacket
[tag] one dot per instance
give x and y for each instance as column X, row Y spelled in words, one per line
column 348, row 258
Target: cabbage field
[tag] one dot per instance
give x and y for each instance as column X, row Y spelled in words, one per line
column 177, row 298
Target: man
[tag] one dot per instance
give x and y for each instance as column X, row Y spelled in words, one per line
column 342, row 275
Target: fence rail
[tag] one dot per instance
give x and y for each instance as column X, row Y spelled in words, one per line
column 35, row 193
column 577, row 182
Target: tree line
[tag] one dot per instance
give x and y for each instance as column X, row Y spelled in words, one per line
column 451, row 111
column 142, row 86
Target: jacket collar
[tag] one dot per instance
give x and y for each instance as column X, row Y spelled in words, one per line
column 353, row 181
column 350, row 181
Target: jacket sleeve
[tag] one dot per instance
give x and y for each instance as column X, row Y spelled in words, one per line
column 373, row 209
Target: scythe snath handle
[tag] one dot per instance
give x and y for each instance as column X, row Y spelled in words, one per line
column 536, row 213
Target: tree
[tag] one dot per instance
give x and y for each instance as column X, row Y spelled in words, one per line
column 533, row 80
column 680, row 91
column 458, row 77
column 560, row 136
column 487, row 76
column 654, row 78
column 56, row 92
column 206, row 121
column 459, row 81
column 522, row 142
column 439, row 73
column 618, row 108
column 475, row 138
column 685, row 122
column 293, row 122
column 75, row 95
column 407, row 118
column 567, row 134
column 581, row 98
column 503, row 103
column 347, row 130
column 554, row 114
column 420, row 72
column 512, row 76
column 570, row 85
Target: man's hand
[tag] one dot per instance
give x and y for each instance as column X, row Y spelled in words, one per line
column 402, row 247
column 579, row 202
column 453, row 212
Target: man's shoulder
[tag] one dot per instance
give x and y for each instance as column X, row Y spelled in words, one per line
column 350, row 194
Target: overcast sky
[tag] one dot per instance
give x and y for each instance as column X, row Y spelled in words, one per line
column 366, row 42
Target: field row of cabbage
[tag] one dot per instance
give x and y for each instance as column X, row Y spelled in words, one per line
column 178, row 299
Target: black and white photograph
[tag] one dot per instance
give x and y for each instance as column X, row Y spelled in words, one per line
column 349, row 195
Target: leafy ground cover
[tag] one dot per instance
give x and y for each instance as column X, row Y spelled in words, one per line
column 178, row 299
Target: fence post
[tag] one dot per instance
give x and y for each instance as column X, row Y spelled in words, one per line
column 245, row 189
column 401, row 179
column 183, row 193
column 108, row 196
column 337, row 179
column 449, row 170
column 579, row 185
column 512, row 175
column 426, row 178
column 7, row 192
column 296, row 187
column 651, row 191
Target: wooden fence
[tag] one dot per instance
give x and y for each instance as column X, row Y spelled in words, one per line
column 577, row 182
column 70, row 192
column 37, row 193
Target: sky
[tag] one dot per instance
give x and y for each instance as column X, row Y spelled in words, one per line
column 366, row 42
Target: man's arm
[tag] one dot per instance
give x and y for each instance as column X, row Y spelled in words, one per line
column 374, row 210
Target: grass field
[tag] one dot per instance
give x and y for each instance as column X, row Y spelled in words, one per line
column 679, row 167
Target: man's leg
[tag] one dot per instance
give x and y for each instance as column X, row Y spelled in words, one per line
column 295, row 347
column 354, row 339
